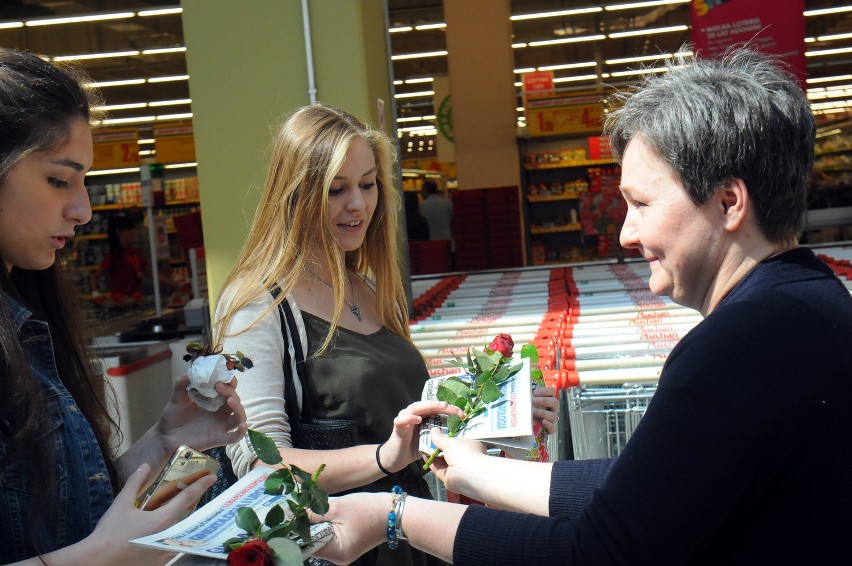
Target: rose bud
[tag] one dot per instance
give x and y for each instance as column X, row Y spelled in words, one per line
column 502, row 343
column 253, row 553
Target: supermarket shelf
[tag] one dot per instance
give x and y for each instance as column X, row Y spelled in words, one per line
column 564, row 228
column 568, row 163
column 568, row 195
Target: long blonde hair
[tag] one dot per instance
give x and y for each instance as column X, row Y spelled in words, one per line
column 292, row 217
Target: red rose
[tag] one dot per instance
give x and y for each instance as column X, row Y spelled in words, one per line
column 253, row 553
column 502, row 343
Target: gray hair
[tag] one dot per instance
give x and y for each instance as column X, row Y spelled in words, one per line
column 741, row 116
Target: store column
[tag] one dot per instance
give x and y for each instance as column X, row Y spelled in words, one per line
column 484, row 98
column 248, row 69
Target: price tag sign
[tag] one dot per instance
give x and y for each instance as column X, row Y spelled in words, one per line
column 564, row 115
column 175, row 143
column 114, row 149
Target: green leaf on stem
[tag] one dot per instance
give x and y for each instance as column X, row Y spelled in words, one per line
column 319, row 500
column 490, row 392
column 317, row 472
column 454, row 424
column 302, row 527
column 455, row 386
column 274, row 517
column 233, row 542
column 247, row 520
column 301, row 474
column 531, row 352
column 264, row 447
column 286, row 550
column 279, row 482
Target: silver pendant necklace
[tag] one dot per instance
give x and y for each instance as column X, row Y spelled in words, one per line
column 355, row 309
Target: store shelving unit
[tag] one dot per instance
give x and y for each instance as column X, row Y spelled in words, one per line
column 570, row 209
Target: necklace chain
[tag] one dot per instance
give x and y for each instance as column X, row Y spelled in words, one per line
column 355, row 309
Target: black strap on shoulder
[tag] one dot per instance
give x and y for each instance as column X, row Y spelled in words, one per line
column 288, row 326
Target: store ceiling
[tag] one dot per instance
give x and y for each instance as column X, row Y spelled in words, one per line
column 164, row 31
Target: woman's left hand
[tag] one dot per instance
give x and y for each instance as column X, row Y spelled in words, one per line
column 402, row 447
column 184, row 422
column 546, row 407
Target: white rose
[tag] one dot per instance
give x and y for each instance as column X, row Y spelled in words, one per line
column 204, row 373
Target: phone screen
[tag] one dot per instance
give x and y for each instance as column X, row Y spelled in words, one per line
column 185, row 467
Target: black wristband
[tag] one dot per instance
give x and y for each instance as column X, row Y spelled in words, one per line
column 379, row 462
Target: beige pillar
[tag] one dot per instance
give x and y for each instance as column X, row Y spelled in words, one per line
column 483, row 94
column 248, row 71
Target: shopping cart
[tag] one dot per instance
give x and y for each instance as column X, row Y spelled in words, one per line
column 603, row 417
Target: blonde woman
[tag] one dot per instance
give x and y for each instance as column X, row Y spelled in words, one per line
column 326, row 234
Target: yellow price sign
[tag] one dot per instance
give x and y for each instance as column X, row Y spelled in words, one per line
column 114, row 149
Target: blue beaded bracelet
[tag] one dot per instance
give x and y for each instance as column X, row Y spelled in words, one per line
column 395, row 533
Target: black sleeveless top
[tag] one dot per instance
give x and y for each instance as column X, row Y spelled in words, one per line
column 369, row 378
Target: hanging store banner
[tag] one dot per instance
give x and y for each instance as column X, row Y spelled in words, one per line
column 174, row 143
column 537, row 84
column 446, row 149
column 564, row 115
column 114, row 149
column 773, row 27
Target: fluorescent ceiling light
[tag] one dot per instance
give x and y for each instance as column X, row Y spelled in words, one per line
column 668, row 29
column 573, row 79
column 519, row 84
column 638, row 72
column 397, row 82
column 567, row 66
column 415, row 94
column 162, row 50
column 109, row 121
column 524, row 70
column 127, row 106
column 124, row 82
column 180, row 165
column 146, row 140
column 834, row 37
column 519, row 45
column 159, row 12
column 418, row 55
column 647, row 58
column 168, row 79
column 77, row 19
column 417, row 128
column 821, row 52
column 10, row 25
column 171, row 102
column 648, row 4
column 829, row 79
column 144, row 152
column 96, row 56
column 824, row 11
column 556, row 14
column 113, row 171
column 183, row 116
column 567, row 40
column 420, row 80
column 400, row 29
column 439, row 25
column 410, row 119
column 839, row 92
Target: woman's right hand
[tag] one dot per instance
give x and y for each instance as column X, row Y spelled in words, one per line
column 123, row 521
column 402, row 447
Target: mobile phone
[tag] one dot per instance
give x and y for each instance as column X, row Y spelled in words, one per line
column 185, row 467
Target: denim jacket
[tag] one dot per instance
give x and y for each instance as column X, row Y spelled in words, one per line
column 83, row 489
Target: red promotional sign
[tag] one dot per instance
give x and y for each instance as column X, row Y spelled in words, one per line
column 538, row 82
column 773, row 27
